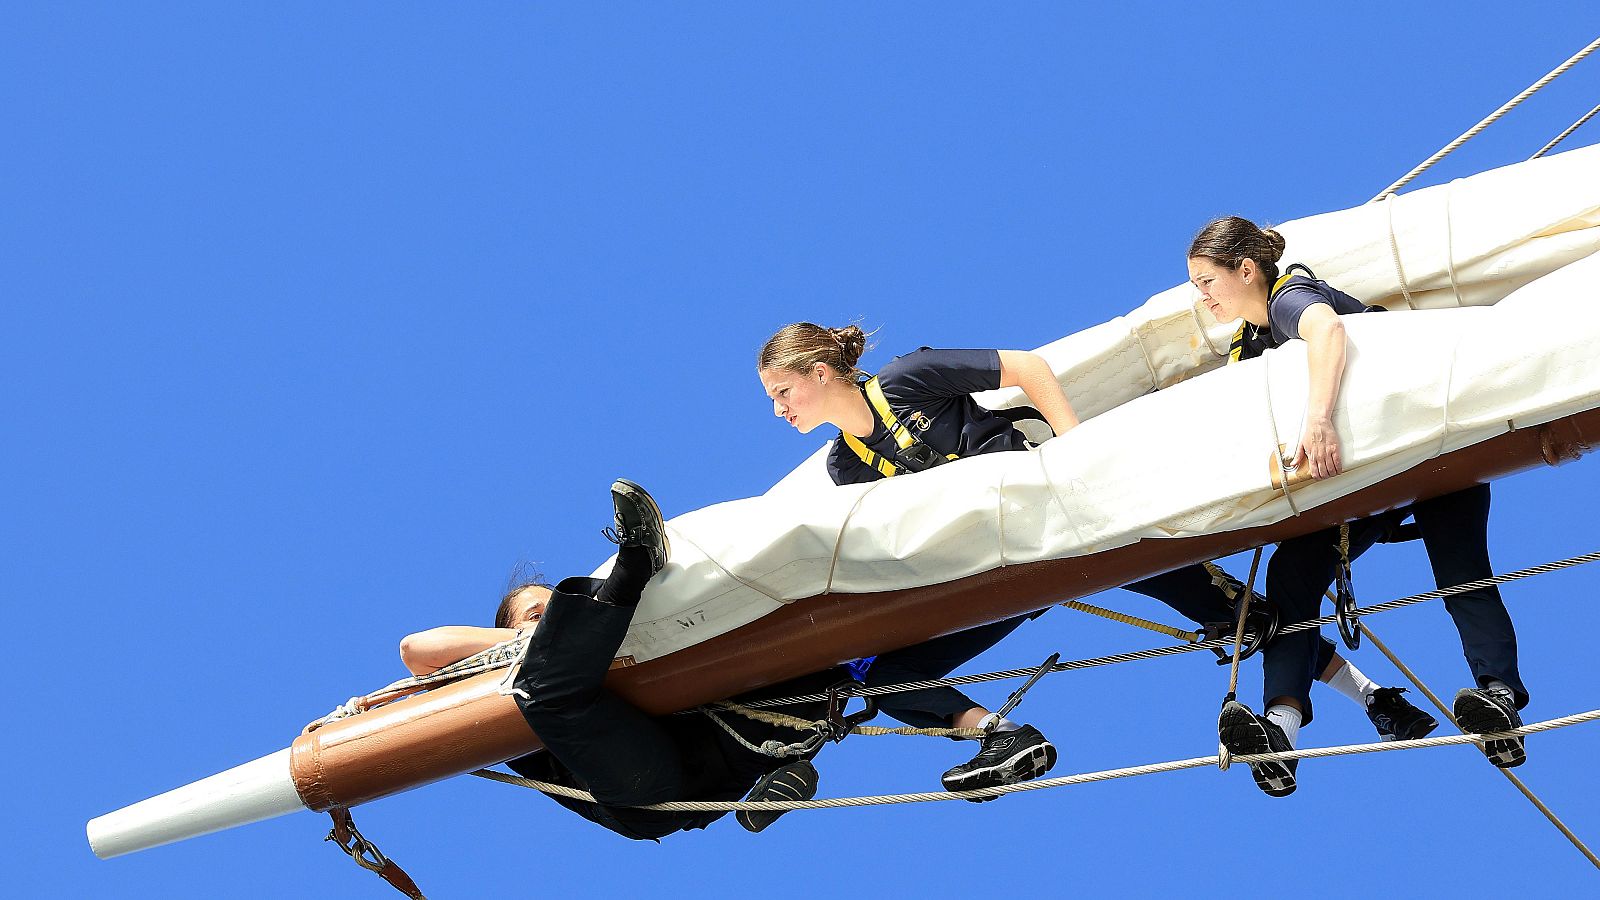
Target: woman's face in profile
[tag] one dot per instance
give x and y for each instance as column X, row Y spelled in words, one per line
column 797, row 397
column 1223, row 290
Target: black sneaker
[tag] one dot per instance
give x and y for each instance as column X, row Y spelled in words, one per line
column 1242, row 731
column 1395, row 718
column 796, row 781
column 1006, row 758
column 1486, row 711
column 639, row 522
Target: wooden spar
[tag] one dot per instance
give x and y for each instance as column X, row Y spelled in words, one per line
column 468, row 725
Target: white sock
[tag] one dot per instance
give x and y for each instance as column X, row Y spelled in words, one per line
column 1287, row 718
column 1350, row 682
column 1001, row 726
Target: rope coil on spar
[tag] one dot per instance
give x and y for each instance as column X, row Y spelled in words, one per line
column 1044, row 783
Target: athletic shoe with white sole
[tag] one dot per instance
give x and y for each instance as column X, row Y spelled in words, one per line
column 1486, row 711
column 1242, row 732
column 1007, row 757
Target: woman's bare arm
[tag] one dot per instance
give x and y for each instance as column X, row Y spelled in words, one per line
column 1324, row 335
column 431, row 650
column 1029, row 371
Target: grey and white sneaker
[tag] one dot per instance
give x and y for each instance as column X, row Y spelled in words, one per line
column 1486, row 711
column 1006, row 757
column 1242, row 732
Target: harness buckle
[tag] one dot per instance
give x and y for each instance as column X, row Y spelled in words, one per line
column 839, row 723
column 1261, row 626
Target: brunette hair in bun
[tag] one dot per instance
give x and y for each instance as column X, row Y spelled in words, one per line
column 798, row 347
column 1231, row 240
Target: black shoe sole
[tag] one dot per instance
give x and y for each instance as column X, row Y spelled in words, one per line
column 1024, row 765
column 1242, row 733
column 1476, row 715
column 779, row 784
column 632, row 490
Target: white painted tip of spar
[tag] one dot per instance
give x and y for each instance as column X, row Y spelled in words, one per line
column 260, row 789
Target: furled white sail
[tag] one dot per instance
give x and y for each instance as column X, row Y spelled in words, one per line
column 1506, row 334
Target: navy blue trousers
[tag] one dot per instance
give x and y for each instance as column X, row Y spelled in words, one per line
column 1455, row 531
column 1191, row 593
column 934, row 707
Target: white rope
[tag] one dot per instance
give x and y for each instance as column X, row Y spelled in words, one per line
column 724, row 569
column 1394, row 248
column 1046, row 783
column 1277, row 439
column 838, row 542
column 1492, row 118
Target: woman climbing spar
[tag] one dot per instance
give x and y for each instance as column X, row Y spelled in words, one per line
column 918, row 412
column 1234, row 265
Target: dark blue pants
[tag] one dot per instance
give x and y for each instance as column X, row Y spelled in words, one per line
column 934, row 707
column 1191, row 593
column 1454, row 531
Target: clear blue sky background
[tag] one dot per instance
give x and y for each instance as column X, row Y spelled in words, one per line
column 318, row 320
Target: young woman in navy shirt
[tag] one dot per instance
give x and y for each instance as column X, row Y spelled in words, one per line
column 1234, row 264
column 811, row 375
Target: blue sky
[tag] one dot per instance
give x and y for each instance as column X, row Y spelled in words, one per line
column 318, row 321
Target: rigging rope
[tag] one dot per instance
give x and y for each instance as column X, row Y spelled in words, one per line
column 1171, row 650
column 1490, row 120
column 1510, row 775
column 1044, row 783
column 1563, row 135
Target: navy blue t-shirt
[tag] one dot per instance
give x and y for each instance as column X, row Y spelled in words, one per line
column 930, row 393
column 1287, row 305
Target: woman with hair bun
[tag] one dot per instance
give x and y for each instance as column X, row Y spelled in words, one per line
column 1234, row 265
column 811, row 374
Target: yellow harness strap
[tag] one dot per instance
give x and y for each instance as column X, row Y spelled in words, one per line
column 901, row 434
column 1237, row 346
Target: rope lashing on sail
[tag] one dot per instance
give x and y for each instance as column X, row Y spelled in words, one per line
column 1064, row 781
column 1493, row 117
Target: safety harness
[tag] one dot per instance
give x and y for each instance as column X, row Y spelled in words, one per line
column 912, row 456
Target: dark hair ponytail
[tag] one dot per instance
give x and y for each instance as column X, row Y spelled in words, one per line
column 1231, row 240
